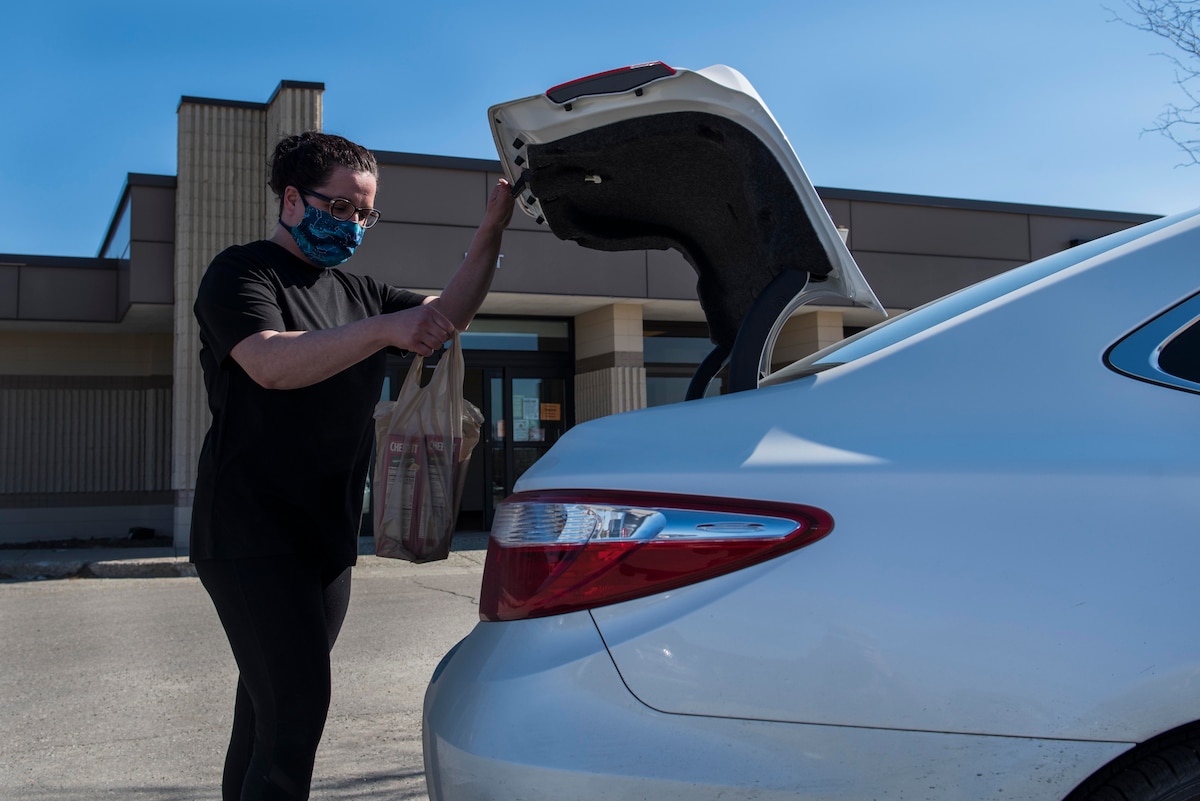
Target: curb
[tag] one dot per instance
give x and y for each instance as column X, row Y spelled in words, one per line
column 36, row 570
column 172, row 567
column 31, row 568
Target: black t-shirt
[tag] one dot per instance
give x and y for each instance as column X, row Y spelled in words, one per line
column 283, row 471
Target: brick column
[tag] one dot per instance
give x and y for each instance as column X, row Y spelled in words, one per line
column 221, row 199
column 806, row 334
column 610, row 376
column 295, row 107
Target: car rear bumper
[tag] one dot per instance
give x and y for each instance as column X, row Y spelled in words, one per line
column 536, row 710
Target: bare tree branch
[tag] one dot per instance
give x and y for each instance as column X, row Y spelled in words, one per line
column 1178, row 22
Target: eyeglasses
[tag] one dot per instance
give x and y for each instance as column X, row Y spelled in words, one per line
column 343, row 209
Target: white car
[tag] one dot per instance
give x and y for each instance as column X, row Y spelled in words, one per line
column 953, row 557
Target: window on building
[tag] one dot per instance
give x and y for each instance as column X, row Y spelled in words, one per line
column 500, row 333
column 672, row 351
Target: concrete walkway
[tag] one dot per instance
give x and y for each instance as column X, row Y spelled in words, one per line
column 60, row 563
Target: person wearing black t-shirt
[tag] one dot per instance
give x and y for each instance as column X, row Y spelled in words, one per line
column 293, row 354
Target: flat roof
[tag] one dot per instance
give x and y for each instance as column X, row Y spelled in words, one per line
column 827, row 193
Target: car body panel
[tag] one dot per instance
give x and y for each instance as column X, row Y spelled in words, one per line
column 1054, row 529
column 569, row 729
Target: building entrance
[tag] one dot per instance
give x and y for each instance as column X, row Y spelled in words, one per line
column 526, row 410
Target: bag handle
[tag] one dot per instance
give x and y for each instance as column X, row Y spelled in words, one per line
column 413, row 379
column 451, row 359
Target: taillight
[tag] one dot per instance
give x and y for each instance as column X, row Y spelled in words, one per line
column 553, row 552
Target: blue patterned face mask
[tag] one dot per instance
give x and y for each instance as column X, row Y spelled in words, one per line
column 324, row 240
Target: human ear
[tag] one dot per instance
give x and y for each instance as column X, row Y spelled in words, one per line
column 292, row 206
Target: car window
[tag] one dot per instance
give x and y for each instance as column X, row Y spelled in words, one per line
column 1181, row 356
column 1164, row 351
column 924, row 317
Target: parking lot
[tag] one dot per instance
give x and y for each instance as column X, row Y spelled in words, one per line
column 123, row 688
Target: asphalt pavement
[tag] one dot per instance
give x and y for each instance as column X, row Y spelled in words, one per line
column 124, row 689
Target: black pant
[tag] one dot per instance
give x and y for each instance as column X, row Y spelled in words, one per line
column 282, row 616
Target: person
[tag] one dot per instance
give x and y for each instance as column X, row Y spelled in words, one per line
column 293, row 352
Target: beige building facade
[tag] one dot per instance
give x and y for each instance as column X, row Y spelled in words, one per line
column 102, row 404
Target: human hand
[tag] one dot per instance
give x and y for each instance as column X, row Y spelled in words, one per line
column 500, row 206
column 422, row 329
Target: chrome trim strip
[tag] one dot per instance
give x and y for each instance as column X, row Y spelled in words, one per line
column 1137, row 354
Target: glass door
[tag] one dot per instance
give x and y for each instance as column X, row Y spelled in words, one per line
column 527, row 413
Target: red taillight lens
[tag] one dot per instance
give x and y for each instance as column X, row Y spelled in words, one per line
column 561, row 551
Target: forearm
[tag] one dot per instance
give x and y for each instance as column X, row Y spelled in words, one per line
column 294, row 359
column 469, row 285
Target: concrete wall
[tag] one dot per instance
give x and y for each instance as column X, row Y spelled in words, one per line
column 44, row 289
column 151, row 264
column 85, row 433
column 913, row 250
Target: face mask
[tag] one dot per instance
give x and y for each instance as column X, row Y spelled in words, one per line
column 325, row 241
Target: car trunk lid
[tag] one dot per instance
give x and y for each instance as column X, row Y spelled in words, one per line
column 655, row 158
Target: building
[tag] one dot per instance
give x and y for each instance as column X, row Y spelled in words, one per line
column 102, row 407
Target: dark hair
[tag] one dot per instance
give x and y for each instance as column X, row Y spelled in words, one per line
column 306, row 160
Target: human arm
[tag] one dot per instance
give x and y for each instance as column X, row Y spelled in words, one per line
column 294, row 359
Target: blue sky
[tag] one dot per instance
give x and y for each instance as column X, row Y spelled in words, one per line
column 1026, row 101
